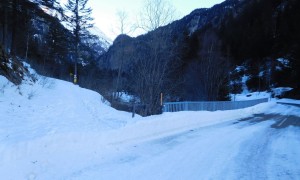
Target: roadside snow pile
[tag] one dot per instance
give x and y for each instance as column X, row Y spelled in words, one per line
column 291, row 101
column 52, row 106
column 277, row 92
column 282, row 109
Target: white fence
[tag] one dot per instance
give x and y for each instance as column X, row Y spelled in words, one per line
column 210, row 105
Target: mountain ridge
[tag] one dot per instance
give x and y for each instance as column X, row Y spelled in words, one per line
column 210, row 44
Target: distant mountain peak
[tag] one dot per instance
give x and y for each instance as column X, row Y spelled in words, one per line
column 106, row 41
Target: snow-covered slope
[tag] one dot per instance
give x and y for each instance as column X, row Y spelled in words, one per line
column 102, row 40
column 53, row 106
column 105, row 41
column 246, row 95
column 52, row 129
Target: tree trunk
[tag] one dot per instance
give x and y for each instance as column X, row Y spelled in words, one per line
column 5, row 25
column 27, row 46
column 120, row 69
column 14, row 27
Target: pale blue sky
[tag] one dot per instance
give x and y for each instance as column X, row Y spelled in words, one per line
column 104, row 11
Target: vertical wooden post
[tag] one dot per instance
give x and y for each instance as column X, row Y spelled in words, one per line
column 75, row 79
column 161, row 99
column 133, row 110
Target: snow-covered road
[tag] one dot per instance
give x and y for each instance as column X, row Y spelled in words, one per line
column 247, row 149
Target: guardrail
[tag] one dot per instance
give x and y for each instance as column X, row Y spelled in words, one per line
column 284, row 103
column 210, row 105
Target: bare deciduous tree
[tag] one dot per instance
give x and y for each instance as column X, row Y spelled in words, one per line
column 210, row 69
column 157, row 56
column 123, row 28
column 123, row 25
column 156, row 13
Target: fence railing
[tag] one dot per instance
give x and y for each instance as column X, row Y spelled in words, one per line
column 210, row 105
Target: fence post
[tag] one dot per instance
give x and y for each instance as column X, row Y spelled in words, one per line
column 133, row 110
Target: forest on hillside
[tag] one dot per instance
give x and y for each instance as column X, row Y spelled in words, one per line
column 32, row 31
column 212, row 52
column 202, row 57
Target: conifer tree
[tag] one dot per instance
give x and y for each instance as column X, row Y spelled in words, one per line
column 79, row 20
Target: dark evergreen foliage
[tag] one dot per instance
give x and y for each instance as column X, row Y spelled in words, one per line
column 202, row 50
column 39, row 37
column 79, row 21
column 263, row 32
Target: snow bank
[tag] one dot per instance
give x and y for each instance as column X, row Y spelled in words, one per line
column 291, row 101
column 53, row 106
column 285, row 109
column 50, row 107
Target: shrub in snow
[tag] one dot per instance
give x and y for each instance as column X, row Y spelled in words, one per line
column 46, row 82
column 3, row 86
column 31, row 94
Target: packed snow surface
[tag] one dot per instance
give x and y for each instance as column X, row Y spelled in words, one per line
column 52, row 129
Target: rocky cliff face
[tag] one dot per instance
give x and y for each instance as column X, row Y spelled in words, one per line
column 121, row 52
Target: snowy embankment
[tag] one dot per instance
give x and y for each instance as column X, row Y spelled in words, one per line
column 52, row 128
column 51, row 107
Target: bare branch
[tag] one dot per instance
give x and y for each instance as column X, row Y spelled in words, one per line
column 156, row 13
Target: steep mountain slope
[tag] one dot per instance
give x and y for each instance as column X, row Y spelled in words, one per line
column 36, row 33
column 191, row 23
column 104, row 41
column 261, row 36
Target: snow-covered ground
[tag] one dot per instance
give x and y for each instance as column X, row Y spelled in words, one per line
column 53, row 129
column 250, row 96
column 246, row 95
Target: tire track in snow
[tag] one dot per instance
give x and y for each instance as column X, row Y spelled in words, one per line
column 254, row 155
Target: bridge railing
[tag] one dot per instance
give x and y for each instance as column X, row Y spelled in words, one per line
column 210, row 105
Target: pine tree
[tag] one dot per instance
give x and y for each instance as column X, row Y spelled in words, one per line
column 79, row 20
